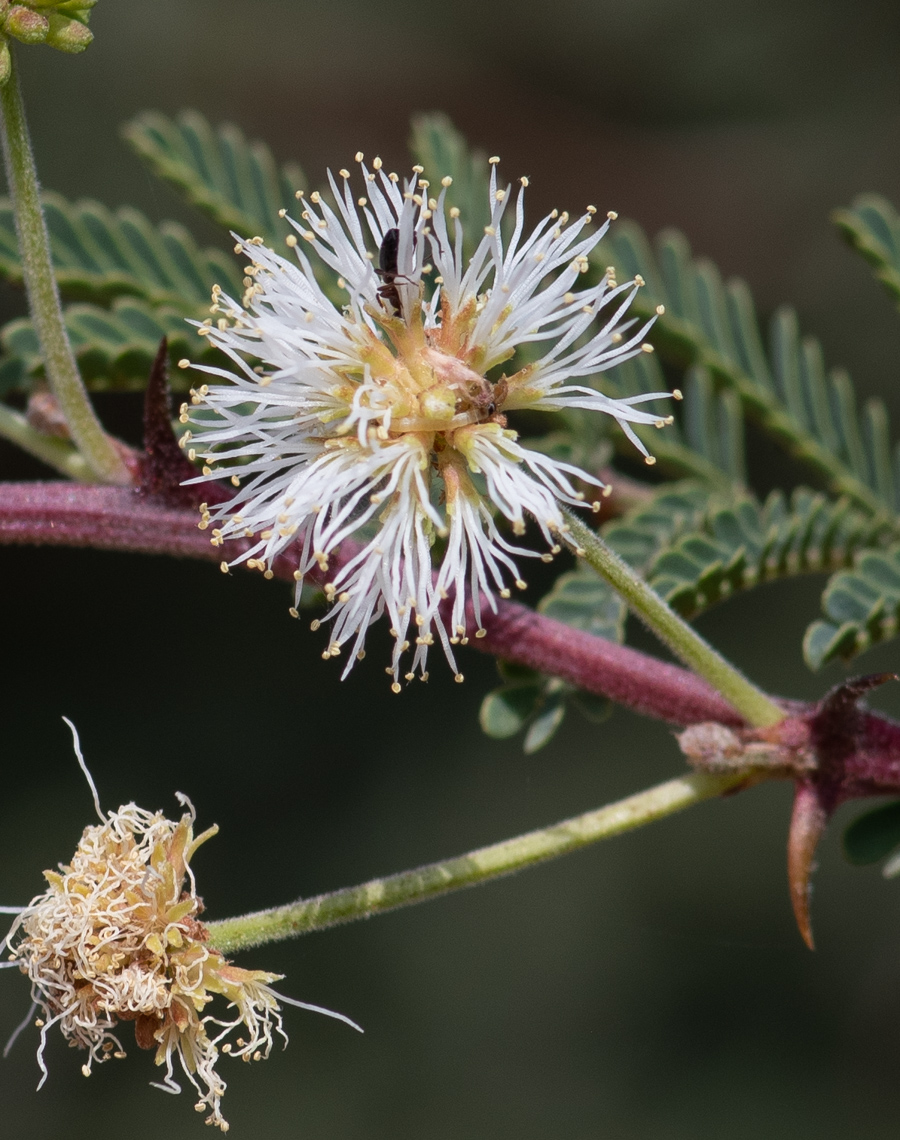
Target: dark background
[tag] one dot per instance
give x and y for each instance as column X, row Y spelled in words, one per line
column 653, row 986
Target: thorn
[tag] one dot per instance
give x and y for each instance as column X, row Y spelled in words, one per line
column 807, row 824
column 163, row 465
column 848, row 693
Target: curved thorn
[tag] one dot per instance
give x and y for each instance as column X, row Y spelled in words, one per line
column 807, row 824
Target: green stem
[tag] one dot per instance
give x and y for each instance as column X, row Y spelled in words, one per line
column 57, row 453
column 43, row 297
column 479, row 866
column 751, row 702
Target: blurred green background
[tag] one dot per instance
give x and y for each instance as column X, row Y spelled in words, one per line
column 651, row 987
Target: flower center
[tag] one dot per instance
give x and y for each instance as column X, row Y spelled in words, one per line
column 423, row 389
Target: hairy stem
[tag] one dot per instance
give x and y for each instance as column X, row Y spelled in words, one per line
column 112, row 518
column 98, row 450
column 434, row 879
column 751, row 702
column 57, row 453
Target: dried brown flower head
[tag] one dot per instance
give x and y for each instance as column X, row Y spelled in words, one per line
column 117, row 937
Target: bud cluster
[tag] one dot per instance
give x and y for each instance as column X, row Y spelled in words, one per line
column 61, row 24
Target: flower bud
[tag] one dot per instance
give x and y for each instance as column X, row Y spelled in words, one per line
column 5, row 62
column 68, row 35
column 25, row 25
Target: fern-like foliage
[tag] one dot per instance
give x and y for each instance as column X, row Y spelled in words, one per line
column 786, row 388
column 114, row 347
column 706, row 439
column 872, row 226
column 235, row 181
column 696, row 550
column 438, row 146
column 741, row 545
column 861, row 606
column 99, row 255
column 696, row 541
column 584, row 601
column 536, row 703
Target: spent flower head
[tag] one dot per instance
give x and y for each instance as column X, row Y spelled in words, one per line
column 385, row 418
column 117, row 937
column 60, row 24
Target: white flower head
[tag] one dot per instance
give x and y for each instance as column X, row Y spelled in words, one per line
column 385, row 418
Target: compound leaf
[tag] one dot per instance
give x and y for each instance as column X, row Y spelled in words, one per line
column 873, row 836
column 232, row 179
column 438, row 146
column 114, row 347
column 861, row 607
column 99, row 255
column 712, row 325
column 872, row 226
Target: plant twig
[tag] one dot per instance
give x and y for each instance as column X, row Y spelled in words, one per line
column 482, row 865
column 57, row 453
column 100, row 453
column 751, row 702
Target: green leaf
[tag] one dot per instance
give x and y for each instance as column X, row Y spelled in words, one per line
column 438, row 146
column 872, row 226
column 99, row 255
column 643, row 532
column 235, row 181
column 13, row 377
column 592, row 706
column 506, row 710
column 861, row 606
column 706, row 439
column 696, row 550
column 583, row 600
column 713, row 326
column 114, row 347
column 544, row 726
column 873, row 836
column 740, row 545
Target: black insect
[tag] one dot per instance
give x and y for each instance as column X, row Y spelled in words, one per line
column 387, row 270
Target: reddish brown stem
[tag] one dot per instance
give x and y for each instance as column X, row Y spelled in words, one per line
column 109, row 518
